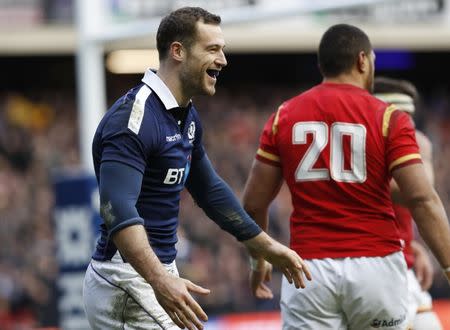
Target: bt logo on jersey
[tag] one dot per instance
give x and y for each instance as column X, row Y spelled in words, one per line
column 174, row 176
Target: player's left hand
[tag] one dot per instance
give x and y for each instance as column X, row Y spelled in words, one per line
column 422, row 266
column 258, row 275
column 280, row 256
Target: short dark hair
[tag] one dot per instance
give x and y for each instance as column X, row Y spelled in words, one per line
column 339, row 49
column 386, row 85
column 179, row 26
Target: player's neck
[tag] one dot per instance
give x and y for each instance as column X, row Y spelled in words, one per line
column 348, row 79
column 170, row 78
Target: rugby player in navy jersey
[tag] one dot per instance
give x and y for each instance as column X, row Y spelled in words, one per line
column 147, row 148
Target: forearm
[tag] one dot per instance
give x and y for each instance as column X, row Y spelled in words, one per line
column 219, row 203
column 433, row 226
column 260, row 215
column 133, row 244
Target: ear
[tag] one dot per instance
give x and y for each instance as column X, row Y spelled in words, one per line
column 362, row 64
column 177, row 51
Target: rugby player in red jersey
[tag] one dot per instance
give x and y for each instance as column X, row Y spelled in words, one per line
column 337, row 147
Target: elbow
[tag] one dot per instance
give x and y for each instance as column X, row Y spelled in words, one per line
column 419, row 199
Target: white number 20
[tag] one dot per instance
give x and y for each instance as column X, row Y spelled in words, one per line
column 319, row 130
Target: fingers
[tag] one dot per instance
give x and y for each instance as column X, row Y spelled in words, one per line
column 189, row 318
column 306, row 270
column 296, row 277
column 180, row 305
column 288, row 275
column 196, row 288
column 196, row 309
column 297, row 271
column 187, row 314
column 175, row 319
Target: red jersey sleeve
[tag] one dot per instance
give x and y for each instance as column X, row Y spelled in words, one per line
column 268, row 151
column 401, row 147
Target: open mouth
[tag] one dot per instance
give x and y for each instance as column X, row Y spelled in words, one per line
column 213, row 73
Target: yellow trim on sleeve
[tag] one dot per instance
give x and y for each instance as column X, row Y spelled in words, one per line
column 267, row 155
column 386, row 119
column 275, row 121
column 403, row 159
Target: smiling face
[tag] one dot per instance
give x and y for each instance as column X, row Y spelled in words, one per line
column 204, row 60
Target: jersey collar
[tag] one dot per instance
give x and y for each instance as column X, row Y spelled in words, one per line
column 161, row 89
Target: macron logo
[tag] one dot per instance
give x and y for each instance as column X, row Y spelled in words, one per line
column 173, row 138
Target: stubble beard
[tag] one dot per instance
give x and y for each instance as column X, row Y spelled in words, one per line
column 193, row 84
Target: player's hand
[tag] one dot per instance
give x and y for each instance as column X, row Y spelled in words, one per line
column 422, row 266
column 286, row 260
column 173, row 294
column 258, row 275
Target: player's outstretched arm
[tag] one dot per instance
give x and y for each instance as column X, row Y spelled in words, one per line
column 215, row 197
column 427, row 210
column 120, row 186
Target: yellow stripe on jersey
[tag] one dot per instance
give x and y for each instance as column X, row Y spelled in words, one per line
column 275, row 121
column 386, row 119
column 268, row 155
column 403, row 159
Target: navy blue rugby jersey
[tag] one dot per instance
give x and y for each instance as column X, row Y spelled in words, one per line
column 138, row 130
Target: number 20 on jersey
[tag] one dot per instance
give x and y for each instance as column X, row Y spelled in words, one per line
column 319, row 130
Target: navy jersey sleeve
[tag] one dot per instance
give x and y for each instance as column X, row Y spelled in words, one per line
column 215, row 197
column 131, row 132
column 119, row 187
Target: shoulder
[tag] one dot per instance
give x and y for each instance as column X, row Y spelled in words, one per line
column 136, row 116
column 142, row 106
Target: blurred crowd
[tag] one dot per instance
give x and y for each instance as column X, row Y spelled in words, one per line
column 38, row 134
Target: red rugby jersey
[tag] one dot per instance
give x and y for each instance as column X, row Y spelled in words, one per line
column 336, row 145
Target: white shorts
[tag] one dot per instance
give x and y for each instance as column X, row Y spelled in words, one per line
column 117, row 297
column 349, row 293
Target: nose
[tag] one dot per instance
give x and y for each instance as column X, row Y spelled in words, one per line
column 221, row 59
